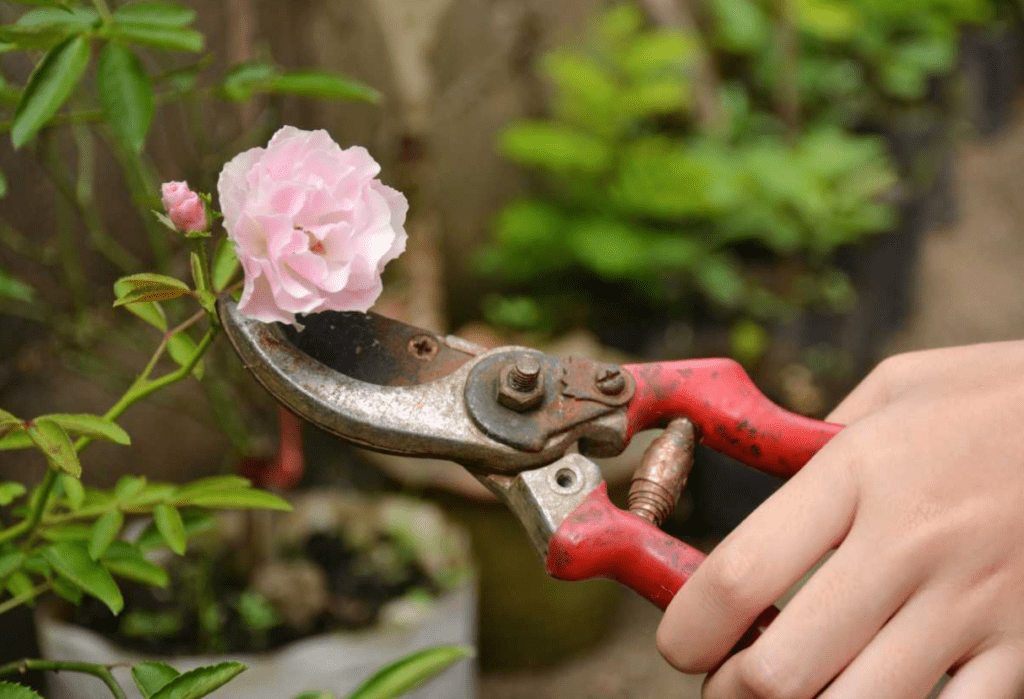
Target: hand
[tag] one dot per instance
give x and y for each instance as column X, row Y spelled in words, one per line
column 921, row 497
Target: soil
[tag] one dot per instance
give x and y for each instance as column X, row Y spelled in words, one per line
column 357, row 592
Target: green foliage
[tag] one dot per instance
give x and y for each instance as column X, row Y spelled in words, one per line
column 9, row 690
column 639, row 189
column 410, row 672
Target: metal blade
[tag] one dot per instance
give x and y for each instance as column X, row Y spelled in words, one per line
column 375, row 349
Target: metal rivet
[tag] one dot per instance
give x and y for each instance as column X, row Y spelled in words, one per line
column 610, row 381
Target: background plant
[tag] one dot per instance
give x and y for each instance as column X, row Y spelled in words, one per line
column 715, row 173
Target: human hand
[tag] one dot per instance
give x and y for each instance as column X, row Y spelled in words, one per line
column 922, row 498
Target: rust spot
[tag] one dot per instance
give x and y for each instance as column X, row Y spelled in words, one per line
column 685, row 373
column 423, row 347
column 755, row 450
column 714, row 374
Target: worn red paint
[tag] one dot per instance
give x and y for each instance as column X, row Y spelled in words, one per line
column 598, row 540
column 732, row 415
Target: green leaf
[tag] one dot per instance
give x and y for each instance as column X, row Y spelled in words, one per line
column 126, row 561
column 555, row 147
column 410, row 672
column 10, row 491
column 167, row 38
column 7, row 419
column 126, row 95
column 225, row 264
column 76, row 19
column 172, row 529
column 15, row 440
column 316, row 695
column 73, row 489
column 13, row 288
column 71, row 560
column 3, row 193
column 159, row 14
column 250, row 499
column 212, row 484
column 67, row 532
column 51, row 439
column 90, row 426
column 140, row 623
column 182, row 348
column 152, row 494
column 243, row 80
column 257, row 612
column 165, row 220
column 19, row 584
column 68, row 590
column 150, row 312
column 199, row 682
column 149, row 287
column 321, row 85
column 151, row 677
column 9, row 690
column 104, row 532
column 128, row 487
column 49, row 86
column 196, row 522
column 10, row 562
column 41, row 38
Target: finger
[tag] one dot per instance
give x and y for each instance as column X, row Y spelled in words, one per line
column 908, row 657
column 759, row 561
column 995, row 674
column 901, row 373
column 830, row 620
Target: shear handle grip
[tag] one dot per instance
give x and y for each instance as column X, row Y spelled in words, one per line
column 598, row 540
column 733, row 416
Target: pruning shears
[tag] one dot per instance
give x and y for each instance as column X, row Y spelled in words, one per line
column 524, row 423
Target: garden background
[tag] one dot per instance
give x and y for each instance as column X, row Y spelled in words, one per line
column 806, row 185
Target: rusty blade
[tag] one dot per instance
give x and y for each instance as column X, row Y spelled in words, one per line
column 375, row 349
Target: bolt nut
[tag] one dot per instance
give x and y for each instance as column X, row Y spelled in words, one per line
column 610, row 381
column 521, row 385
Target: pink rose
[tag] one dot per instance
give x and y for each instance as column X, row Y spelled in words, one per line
column 184, row 207
column 312, row 225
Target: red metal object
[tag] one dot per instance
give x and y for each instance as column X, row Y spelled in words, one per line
column 732, row 415
column 598, row 540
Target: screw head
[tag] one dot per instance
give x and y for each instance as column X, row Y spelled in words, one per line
column 610, row 381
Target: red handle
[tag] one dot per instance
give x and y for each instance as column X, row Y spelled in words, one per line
column 598, row 540
column 733, row 416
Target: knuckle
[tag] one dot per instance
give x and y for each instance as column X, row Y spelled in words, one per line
column 729, row 575
column 759, row 678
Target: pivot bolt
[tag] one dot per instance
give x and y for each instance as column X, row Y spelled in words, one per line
column 521, row 384
column 610, row 381
column 524, row 374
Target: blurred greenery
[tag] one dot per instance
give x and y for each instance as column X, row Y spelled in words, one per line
column 637, row 193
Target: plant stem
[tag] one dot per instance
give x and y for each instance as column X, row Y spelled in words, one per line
column 787, row 92
column 100, row 239
column 100, row 671
column 26, row 525
column 24, row 597
column 143, row 387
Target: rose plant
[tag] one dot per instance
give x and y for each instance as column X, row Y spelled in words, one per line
column 313, row 228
